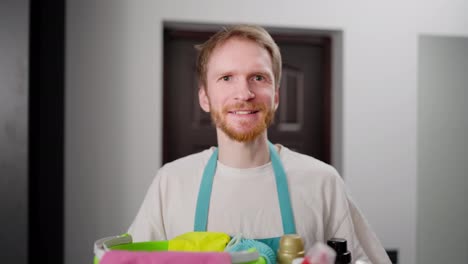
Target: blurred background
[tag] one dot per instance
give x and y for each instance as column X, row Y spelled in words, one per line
column 85, row 108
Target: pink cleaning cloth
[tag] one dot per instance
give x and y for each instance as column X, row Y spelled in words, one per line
column 135, row 257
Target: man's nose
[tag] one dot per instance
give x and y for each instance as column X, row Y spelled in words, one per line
column 244, row 92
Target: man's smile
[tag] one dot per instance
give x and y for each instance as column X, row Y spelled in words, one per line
column 243, row 112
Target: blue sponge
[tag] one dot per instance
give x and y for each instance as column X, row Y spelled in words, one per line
column 241, row 244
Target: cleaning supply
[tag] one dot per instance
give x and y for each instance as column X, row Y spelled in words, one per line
column 128, row 257
column 318, row 254
column 199, row 241
column 239, row 243
column 291, row 247
column 122, row 250
column 259, row 260
column 343, row 256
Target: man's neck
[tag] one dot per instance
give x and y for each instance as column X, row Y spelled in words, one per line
column 243, row 154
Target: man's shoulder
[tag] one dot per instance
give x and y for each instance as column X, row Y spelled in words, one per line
column 298, row 162
column 189, row 162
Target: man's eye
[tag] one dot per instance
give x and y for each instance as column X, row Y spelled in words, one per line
column 226, row 78
column 258, row 78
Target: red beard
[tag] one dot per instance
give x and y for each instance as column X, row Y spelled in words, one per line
column 249, row 130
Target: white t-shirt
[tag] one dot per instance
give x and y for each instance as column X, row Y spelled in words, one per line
column 245, row 201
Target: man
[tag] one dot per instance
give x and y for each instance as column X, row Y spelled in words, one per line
column 247, row 185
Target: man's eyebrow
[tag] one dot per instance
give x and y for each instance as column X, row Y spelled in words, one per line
column 267, row 73
column 223, row 73
column 254, row 72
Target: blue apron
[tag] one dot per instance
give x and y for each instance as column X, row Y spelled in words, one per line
column 204, row 194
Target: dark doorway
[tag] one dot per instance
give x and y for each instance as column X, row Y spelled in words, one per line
column 302, row 121
column 46, row 132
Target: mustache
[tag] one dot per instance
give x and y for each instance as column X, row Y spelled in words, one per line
column 244, row 106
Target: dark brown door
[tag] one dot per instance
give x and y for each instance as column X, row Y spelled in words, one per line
column 302, row 121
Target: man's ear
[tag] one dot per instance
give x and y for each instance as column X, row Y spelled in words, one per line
column 203, row 99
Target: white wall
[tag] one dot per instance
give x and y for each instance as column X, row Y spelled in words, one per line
column 14, row 29
column 114, row 88
column 442, row 150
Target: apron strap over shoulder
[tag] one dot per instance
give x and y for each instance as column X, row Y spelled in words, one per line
column 204, row 193
column 283, row 193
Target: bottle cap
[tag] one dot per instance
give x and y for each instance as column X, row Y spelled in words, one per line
column 291, row 243
column 290, row 247
column 341, row 248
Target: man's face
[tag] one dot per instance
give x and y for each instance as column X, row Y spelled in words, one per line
column 240, row 92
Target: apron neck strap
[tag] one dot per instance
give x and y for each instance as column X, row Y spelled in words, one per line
column 283, row 192
column 204, row 193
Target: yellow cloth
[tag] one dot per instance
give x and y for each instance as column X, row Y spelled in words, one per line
column 199, row 241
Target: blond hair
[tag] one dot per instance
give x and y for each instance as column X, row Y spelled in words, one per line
column 250, row 32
